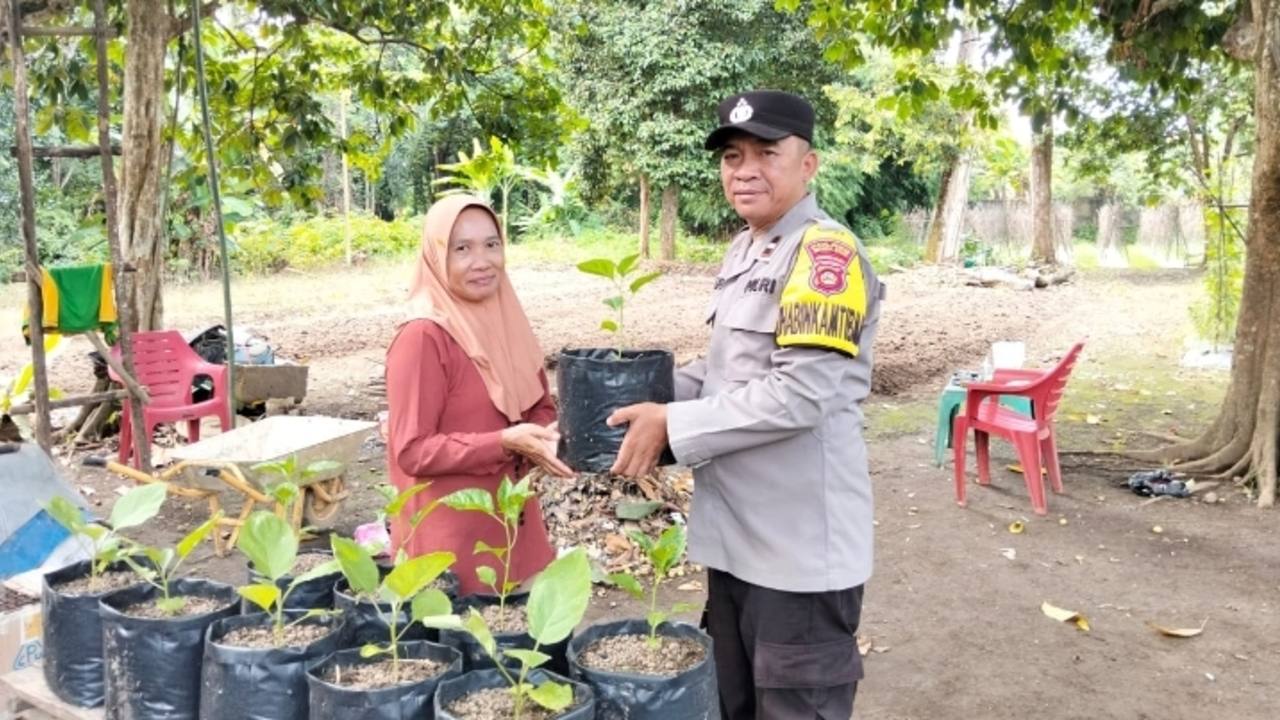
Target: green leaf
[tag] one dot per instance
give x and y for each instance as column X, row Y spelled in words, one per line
column 642, row 540
column 197, row 536
column 603, row 267
column 324, row 569
column 609, row 326
column 683, row 607
column 553, row 696
column 629, row 583
column 320, row 467
column 160, row 558
column 559, row 597
column 442, row 622
column 475, row 625
column 487, row 575
column 483, row 547
column 284, row 493
column 512, row 499
column 138, row 505
column 264, row 595
column 627, row 264
column 636, row 509
column 469, row 500
column 369, row 650
column 269, row 543
column 615, row 302
column 644, row 280
column 171, row 605
column 529, row 658
column 357, row 564
column 430, row 603
column 410, row 578
column 656, row 618
column 67, row 514
column 669, row 549
column 396, row 506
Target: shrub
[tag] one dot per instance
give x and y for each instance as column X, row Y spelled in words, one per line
column 266, row 246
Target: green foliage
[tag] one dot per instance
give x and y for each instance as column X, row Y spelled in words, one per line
column 1214, row 314
column 266, row 246
column 288, row 489
column 163, row 563
column 627, row 281
column 663, row 554
column 593, row 242
column 505, row 509
column 271, row 547
column 408, row 583
column 557, row 602
column 108, row 546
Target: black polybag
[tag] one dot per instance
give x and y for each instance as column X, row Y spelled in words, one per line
column 593, row 382
column 691, row 695
column 239, row 683
column 583, row 708
column 312, row 594
column 72, row 639
column 153, row 665
column 404, row 702
column 363, row 623
column 473, row 655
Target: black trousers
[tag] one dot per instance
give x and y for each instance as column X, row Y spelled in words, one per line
column 783, row 655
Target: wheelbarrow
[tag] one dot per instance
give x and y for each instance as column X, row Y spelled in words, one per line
column 235, row 460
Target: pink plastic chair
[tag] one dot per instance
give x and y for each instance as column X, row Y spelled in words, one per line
column 1032, row 437
column 166, row 366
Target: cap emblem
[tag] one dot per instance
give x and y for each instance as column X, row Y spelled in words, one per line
column 742, row 112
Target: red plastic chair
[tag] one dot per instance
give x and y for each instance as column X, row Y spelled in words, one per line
column 166, row 366
column 1032, row 437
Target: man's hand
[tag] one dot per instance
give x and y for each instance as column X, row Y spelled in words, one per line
column 645, row 440
column 538, row 444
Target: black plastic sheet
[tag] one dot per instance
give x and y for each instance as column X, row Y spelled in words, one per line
column 473, row 655
column 312, row 594
column 594, row 382
column 153, row 665
column 583, row 708
column 691, row 695
column 72, row 639
column 405, row 702
column 239, row 683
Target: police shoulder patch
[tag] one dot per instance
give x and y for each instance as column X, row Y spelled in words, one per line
column 824, row 303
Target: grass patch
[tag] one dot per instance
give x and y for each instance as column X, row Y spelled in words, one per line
column 609, row 243
column 265, row 246
column 908, row 417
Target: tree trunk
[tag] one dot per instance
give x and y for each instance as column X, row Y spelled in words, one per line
column 933, row 243
column 1042, row 245
column 670, row 215
column 1242, row 441
column 644, row 216
column 1110, row 216
column 346, row 178
column 943, row 244
column 142, row 173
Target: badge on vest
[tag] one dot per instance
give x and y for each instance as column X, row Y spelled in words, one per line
column 824, row 303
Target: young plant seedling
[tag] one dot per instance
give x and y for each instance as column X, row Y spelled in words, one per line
column 272, row 549
column 557, row 602
column 626, row 284
column 288, row 488
column 663, row 555
column 407, row 583
column 506, row 510
column 164, row 563
column 135, row 507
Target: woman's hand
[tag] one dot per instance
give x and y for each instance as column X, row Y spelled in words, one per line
column 538, row 444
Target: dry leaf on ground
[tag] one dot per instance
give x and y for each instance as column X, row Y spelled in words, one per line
column 1178, row 632
column 1062, row 615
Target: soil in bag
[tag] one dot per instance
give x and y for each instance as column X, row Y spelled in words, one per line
column 314, row 593
column 676, row 680
column 509, row 628
column 72, row 630
column 346, row 685
column 485, row 695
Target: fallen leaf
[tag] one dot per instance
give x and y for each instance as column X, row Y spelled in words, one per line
column 864, row 645
column 1009, row 553
column 1016, row 527
column 1016, row 468
column 1092, row 419
column 636, row 510
column 615, row 543
column 880, row 649
column 1062, row 615
column 1178, row 632
column 1157, row 529
column 692, row 586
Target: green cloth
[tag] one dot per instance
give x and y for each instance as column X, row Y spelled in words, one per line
column 82, row 296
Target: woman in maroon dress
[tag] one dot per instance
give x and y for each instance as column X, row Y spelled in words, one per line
column 467, row 397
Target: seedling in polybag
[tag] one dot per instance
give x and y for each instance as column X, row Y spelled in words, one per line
column 272, row 549
column 292, row 477
column 135, row 507
column 162, row 564
column 663, row 556
column 557, row 602
column 505, row 509
column 625, row 285
column 407, row 583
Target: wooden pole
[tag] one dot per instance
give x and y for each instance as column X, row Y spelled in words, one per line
column 92, row 399
column 26, row 191
column 123, row 288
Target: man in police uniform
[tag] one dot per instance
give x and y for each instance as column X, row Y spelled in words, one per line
column 771, row 422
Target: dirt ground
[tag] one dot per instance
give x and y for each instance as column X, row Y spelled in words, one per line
column 953, row 613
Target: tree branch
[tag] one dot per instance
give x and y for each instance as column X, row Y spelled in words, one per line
column 1241, row 38
column 180, row 25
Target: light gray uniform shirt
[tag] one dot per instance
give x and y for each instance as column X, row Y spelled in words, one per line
column 773, row 432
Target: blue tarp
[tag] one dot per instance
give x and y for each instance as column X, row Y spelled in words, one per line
column 28, row 535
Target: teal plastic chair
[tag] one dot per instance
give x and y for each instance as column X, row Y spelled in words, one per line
column 949, row 405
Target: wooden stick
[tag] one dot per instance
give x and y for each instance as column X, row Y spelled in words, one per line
column 135, row 389
column 37, row 31
column 94, row 398
column 83, row 152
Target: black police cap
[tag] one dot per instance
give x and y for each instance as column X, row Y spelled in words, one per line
column 766, row 114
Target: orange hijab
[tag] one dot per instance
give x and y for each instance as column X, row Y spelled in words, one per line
column 494, row 333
